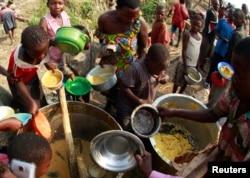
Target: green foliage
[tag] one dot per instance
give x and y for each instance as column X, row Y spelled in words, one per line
column 148, row 10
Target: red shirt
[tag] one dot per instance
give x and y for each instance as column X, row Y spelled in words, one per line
column 21, row 69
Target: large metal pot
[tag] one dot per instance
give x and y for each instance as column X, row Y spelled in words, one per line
column 202, row 133
column 102, row 78
column 87, row 121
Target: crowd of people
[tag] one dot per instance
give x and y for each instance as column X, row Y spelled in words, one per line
column 220, row 35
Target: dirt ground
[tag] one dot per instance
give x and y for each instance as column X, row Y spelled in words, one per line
column 196, row 91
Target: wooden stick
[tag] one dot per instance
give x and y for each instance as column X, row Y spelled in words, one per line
column 68, row 134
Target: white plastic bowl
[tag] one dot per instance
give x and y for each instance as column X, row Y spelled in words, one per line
column 5, row 112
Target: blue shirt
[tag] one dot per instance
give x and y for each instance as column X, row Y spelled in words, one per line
column 224, row 29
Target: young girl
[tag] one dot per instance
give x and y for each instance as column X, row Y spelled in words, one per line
column 51, row 22
column 179, row 16
column 159, row 33
column 191, row 43
column 23, row 65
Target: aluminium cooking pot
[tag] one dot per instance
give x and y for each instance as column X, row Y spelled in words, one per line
column 70, row 40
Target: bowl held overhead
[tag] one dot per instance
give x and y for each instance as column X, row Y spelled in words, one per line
column 70, row 40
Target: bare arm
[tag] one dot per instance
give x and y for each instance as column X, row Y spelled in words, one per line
column 142, row 38
column 43, row 23
column 185, row 40
column 131, row 96
column 25, row 95
column 203, row 115
column 3, row 71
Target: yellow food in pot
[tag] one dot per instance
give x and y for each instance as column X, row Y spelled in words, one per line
column 171, row 145
column 226, row 71
column 172, row 104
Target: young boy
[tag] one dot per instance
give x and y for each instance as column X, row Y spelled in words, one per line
column 32, row 148
column 191, row 43
column 179, row 16
column 237, row 34
column 233, row 145
column 208, row 34
column 139, row 82
column 24, row 62
column 159, row 33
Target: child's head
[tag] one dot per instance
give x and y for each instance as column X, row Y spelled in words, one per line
column 238, row 17
column 35, row 42
column 241, row 65
column 244, row 8
column 128, row 10
column 85, row 31
column 222, row 12
column 230, row 12
column 160, row 13
column 56, row 7
column 196, row 23
column 216, row 4
column 182, row 1
column 157, row 58
column 31, row 148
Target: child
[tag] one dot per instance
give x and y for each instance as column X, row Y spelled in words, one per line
column 178, row 20
column 159, row 33
column 208, row 34
column 139, row 82
column 191, row 43
column 7, row 16
column 32, row 148
column 51, row 22
column 237, row 35
column 224, row 31
column 82, row 63
column 24, row 62
column 234, row 104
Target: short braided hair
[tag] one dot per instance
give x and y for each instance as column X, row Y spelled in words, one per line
column 33, row 35
column 29, row 147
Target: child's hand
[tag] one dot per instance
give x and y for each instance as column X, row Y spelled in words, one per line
column 144, row 163
column 33, row 108
column 143, row 101
column 50, row 66
column 163, row 79
column 71, row 76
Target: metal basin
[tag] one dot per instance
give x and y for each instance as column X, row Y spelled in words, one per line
column 202, row 133
column 86, row 121
column 102, row 78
